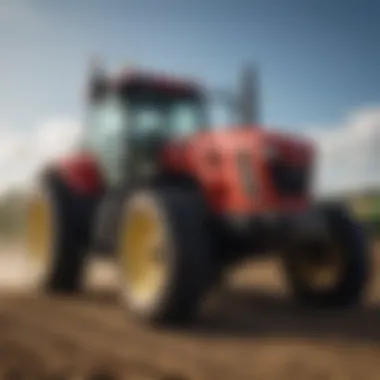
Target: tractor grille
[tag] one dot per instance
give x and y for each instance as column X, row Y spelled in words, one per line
column 289, row 180
column 246, row 172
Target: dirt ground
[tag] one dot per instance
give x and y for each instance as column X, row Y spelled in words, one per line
column 251, row 330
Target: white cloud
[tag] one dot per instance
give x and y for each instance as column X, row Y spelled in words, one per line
column 349, row 154
column 56, row 136
column 23, row 154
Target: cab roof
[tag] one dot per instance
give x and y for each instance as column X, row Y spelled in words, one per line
column 141, row 77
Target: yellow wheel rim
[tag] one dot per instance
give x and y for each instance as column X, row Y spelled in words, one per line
column 326, row 272
column 39, row 229
column 143, row 245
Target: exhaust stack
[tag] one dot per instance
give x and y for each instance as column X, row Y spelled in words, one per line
column 248, row 95
column 96, row 69
column 97, row 76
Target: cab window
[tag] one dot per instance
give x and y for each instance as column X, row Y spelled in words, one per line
column 106, row 135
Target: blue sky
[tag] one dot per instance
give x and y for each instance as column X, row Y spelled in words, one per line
column 319, row 59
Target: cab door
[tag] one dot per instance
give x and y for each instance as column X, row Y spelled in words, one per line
column 107, row 137
column 145, row 136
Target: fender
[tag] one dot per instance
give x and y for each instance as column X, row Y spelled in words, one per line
column 81, row 173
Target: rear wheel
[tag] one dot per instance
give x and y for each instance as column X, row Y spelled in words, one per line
column 54, row 243
column 333, row 273
column 166, row 255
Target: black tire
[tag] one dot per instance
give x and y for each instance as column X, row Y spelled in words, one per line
column 190, row 262
column 350, row 287
column 106, row 222
column 64, row 267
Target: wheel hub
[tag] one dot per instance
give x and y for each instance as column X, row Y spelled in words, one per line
column 143, row 254
column 39, row 228
column 39, row 236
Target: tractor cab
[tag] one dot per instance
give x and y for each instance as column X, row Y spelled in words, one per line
column 132, row 116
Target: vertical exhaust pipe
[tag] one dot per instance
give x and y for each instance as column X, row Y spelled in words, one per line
column 248, row 95
column 96, row 75
column 96, row 67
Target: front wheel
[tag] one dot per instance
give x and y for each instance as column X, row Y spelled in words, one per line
column 165, row 255
column 331, row 273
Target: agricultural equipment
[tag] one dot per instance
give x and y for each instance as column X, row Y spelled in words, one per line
column 177, row 200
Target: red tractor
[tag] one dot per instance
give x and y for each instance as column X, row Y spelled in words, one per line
column 178, row 200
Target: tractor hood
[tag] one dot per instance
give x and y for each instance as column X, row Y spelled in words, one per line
column 256, row 140
column 207, row 149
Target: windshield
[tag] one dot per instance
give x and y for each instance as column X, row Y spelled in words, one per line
column 185, row 117
column 166, row 115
